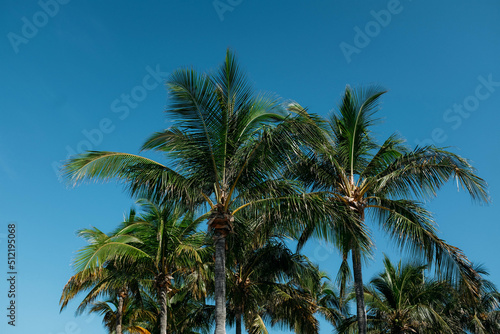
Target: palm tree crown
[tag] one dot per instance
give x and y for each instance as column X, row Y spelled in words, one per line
column 386, row 183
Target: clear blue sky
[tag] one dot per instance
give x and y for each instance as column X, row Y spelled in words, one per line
column 93, row 69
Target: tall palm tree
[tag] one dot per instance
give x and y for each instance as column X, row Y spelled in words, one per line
column 385, row 182
column 402, row 300
column 224, row 153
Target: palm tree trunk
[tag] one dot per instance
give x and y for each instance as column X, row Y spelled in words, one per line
column 119, row 313
column 358, row 288
column 238, row 323
column 163, row 310
column 220, row 285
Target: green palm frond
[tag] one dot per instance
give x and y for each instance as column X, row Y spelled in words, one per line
column 143, row 177
column 352, row 128
column 344, row 275
column 103, row 248
column 425, row 170
column 95, row 165
column 412, row 227
column 79, row 282
column 390, row 150
column 400, row 300
column 257, row 326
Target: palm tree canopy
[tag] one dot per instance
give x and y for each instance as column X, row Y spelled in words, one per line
column 227, row 144
column 475, row 313
column 387, row 182
column 402, row 300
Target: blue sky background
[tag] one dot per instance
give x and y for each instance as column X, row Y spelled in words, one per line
column 69, row 73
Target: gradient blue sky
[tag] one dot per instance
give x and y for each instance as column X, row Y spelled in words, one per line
column 69, row 73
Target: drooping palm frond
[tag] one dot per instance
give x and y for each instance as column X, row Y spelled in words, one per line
column 475, row 313
column 411, row 227
column 143, row 177
column 79, row 282
column 95, row 165
column 344, row 274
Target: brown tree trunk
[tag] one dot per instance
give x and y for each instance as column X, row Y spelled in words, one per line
column 238, row 323
column 220, row 284
column 358, row 289
column 119, row 312
column 163, row 310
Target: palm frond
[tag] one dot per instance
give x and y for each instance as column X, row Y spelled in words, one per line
column 424, row 170
column 412, row 227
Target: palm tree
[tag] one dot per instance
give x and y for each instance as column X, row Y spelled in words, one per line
column 298, row 303
column 189, row 314
column 475, row 313
column 384, row 182
column 401, row 300
column 128, row 311
column 327, row 301
column 161, row 243
column 119, row 284
column 225, row 151
column 169, row 236
column 111, row 277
